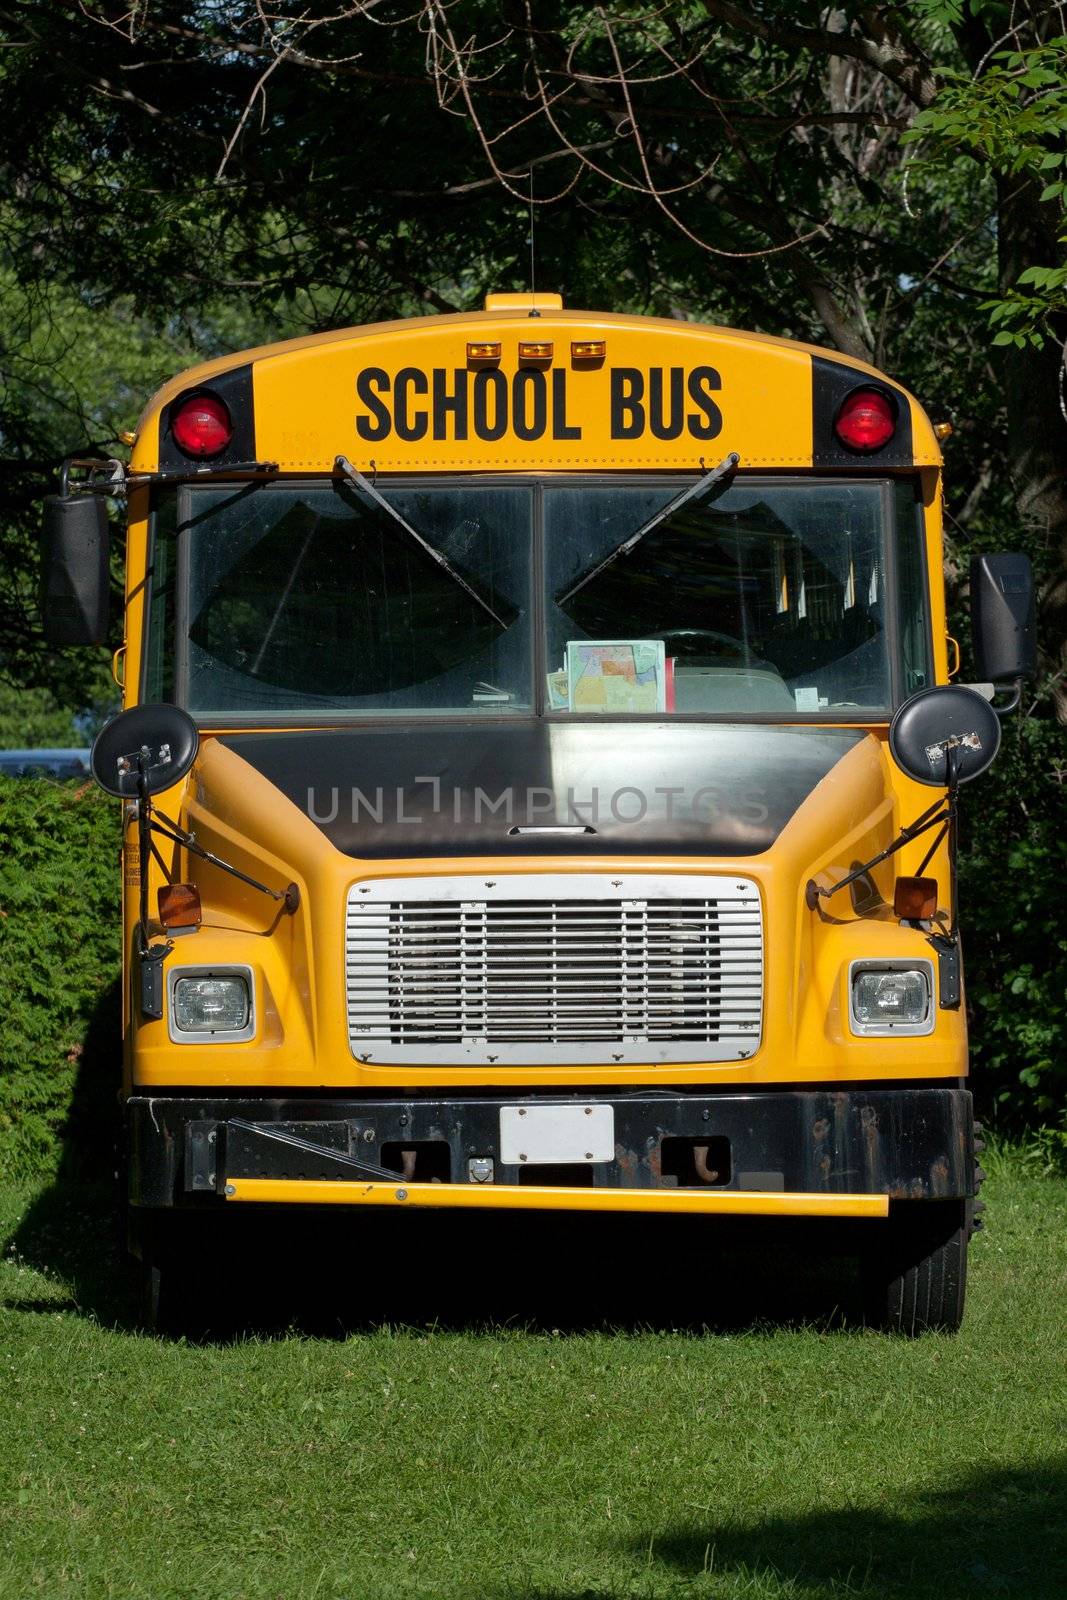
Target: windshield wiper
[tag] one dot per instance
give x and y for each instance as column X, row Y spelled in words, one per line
column 364, row 487
column 690, row 496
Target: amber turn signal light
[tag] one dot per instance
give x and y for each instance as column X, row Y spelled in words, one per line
column 179, row 906
column 915, row 899
column 588, row 349
column 484, row 350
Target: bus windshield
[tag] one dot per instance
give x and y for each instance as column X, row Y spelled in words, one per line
column 789, row 598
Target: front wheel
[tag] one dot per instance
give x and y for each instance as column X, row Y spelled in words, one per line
column 184, row 1287
column 915, row 1277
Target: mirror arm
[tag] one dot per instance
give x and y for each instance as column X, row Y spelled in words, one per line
column 946, row 943
column 989, row 692
column 206, row 473
column 289, row 896
column 1016, row 698
column 929, row 856
column 952, row 757
column 815, row 892
column 108, row 476
column 113, row 485
column 152, row 956
column 932, row 817
column 144, row 842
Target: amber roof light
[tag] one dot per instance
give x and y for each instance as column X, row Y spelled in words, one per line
column 483, row 350
column 534, row 351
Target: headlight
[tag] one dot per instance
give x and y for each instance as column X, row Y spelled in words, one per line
column 891, row 997
column 211, row 1004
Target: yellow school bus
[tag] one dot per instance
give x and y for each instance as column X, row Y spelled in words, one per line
column 527, row 833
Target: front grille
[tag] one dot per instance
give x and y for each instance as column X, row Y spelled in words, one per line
column 537, row 969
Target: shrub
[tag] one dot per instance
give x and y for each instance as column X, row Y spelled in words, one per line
column 59, row 967
column 1013, row 880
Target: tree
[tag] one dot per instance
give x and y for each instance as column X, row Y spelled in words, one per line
column 71, row 378
column 76, row 367
column 185, row 177
column 870, row 176
column 774, row 144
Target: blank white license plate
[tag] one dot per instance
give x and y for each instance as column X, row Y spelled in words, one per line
column 556, row 1135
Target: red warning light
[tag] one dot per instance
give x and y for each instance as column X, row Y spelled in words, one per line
column 867, row 420
column 201, row 426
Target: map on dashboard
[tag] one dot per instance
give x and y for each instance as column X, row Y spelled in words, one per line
column 616, row 675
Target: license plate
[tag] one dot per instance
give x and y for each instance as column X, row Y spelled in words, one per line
column 556, row 1135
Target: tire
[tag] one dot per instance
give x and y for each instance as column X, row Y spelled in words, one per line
column 915, row 1280
column 183, row 1289
column 155, row 1295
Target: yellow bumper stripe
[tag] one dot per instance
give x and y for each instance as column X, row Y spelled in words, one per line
column 531, row 1197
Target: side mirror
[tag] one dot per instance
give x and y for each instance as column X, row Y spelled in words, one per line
column 144, row 750
column 945, row 736
column 1003, row 617
column 75, row 583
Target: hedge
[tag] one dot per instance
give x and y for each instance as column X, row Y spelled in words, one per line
column 60, row 1058
column 1013, row 912
column 59, row 954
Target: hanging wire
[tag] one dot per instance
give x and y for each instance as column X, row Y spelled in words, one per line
column 533, row 273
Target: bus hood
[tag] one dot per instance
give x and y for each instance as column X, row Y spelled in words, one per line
column 492, row 789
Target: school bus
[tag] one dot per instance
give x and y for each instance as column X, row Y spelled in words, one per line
column 511, row 816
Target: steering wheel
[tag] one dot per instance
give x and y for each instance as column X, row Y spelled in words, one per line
column 736, row 646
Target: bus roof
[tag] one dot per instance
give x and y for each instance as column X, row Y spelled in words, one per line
column 613, row 391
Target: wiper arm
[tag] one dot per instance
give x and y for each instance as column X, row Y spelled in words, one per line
column 695, row 492
column 364, row 487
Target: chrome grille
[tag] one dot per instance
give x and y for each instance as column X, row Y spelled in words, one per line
column 535, row 968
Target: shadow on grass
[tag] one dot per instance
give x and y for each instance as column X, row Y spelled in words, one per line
column 999, row 1532
column 330, row 1275
column 72, row 1229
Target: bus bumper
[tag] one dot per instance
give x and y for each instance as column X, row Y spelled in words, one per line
column 805, row 1153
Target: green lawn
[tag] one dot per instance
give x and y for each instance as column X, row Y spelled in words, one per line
column 548, row 1459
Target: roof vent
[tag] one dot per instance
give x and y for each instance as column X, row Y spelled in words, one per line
column 530, row 301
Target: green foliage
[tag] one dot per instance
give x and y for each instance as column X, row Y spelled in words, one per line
column 76, row 367
column 32, row 718
column 1040, row 1153
column 59, row 961
column 1012, row 116
column 1012, row 875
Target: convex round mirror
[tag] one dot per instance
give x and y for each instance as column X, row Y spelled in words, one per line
column 936, row 720
column 161, row 738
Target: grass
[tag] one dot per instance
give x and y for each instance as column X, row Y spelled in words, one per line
column 346, row 1456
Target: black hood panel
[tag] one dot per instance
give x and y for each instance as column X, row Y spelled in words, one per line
column 667, row 788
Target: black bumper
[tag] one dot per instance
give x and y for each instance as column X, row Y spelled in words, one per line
column 908, row 1143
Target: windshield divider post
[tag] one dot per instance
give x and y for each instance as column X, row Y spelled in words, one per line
column 893, row 640
column 183, row 581
column 538, row 607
